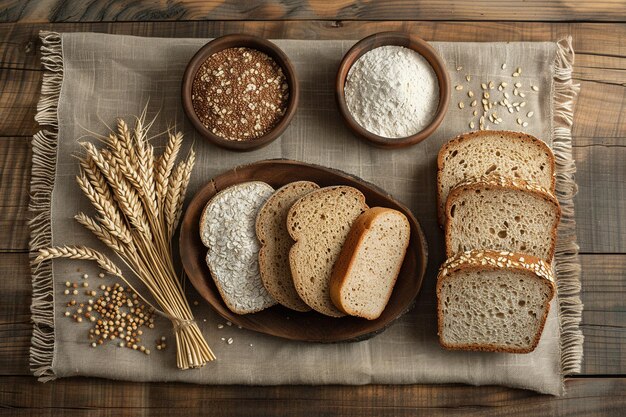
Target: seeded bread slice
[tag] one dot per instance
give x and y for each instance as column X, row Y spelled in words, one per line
column 319, row 223
column 369, row 262
column 271, row 229
column 498, row 213
column 493, row 301
column 227, row 229
column 510, row 154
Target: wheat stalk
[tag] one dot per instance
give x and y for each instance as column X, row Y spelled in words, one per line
column 138, row 199
column 82, row 253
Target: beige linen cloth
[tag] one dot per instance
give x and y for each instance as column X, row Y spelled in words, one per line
column 92, row 79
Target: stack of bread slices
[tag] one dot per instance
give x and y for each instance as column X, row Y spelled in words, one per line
column 304, row 247
column 500, row 214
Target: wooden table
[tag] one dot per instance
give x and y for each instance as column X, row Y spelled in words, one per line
column 599, row 32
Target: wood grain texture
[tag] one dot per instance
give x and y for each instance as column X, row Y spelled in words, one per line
column 599, row 147
column 109, row 10
column 76, row 397
column 15, row 161
column 603, row 324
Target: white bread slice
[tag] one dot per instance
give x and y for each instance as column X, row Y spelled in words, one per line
column 510, row 154
column 493, row 301
column 498, row 213
column 227, row 229
column 369, row 262
column 271, row 229
column 319, row 223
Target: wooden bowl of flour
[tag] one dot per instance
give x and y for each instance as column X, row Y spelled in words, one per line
column 393, row 39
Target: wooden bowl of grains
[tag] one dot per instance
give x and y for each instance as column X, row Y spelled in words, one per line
column 240, row 92
column 392, row 89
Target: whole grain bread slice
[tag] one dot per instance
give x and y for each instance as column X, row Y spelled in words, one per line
column 271, row 229
column 369, row 262
column 493, row 301
column 511, row 154
column 499, row 213
column 227, row 229
column 319, row 223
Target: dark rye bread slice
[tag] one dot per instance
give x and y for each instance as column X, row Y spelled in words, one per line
column 369, row 263
column 499, row 213
column 319, row 223
column 493, row 301
column 511, row 154
column 271, row 229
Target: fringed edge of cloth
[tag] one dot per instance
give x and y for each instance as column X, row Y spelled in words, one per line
column 567, row 262
column 41, row 186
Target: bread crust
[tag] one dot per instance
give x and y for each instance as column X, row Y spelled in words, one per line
column 296, row 236
column 472, row 261
column 297, row 305
column 347, row 256
column 496, row 181
column 441, row 213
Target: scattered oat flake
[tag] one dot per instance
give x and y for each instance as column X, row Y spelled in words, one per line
column 230, row 341
column 220, row 326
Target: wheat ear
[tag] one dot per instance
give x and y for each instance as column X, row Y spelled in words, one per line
column 79, row 252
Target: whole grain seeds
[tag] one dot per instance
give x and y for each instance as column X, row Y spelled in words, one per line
column 240, row 94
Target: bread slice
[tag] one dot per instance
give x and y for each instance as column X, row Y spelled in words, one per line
column 494, row 212
column 493, row 301
column 510, row 154
column 369, row 262
column 319, row 223
column 271, row 229
column 227, row 229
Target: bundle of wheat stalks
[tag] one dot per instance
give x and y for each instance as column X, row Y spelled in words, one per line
column 138, row 198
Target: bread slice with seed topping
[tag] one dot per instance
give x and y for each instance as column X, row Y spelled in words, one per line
column 227, row 229
column 499, row 213
column 271, row 229
column 493, row 301
column 511, row 154
column 319, row 223
column 369, row 263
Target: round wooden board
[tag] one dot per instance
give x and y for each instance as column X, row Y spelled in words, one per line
column 280, row 321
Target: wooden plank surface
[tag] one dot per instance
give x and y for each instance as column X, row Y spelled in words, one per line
column 77, row 397
column 140, row 10
column 599, row 147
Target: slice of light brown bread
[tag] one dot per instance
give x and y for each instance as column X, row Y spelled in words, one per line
column 511, row 154
column 227, row 229
column 319, row 223
column 271, row 229
column 499, row 213
column 493, row 301
column 369, row 262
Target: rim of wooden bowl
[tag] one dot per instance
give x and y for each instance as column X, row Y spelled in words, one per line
column 238, row 41
column 396, row 39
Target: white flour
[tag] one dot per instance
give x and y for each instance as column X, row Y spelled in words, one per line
column 392, row 91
